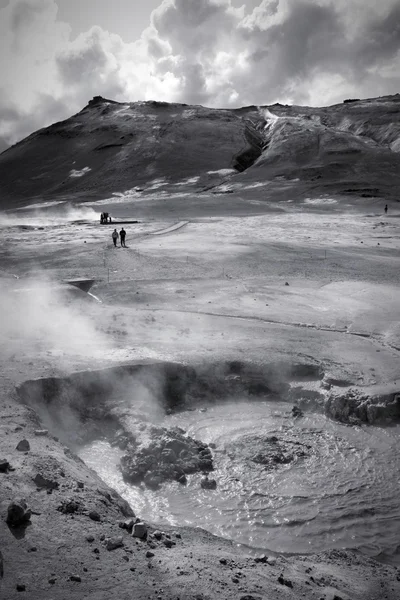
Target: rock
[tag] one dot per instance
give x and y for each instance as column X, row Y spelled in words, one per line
column 249, row 597
column 284, row 581
column 149, row 554
column 69, row 507
column 297, row 412
column 41, row 432
column 114, row 543
column 169, row 543
column 139, row 530
column 42, row 482
column 75, row 578
column 23, row 446
column 80, row 485
column 4, row 465
column 94, row 515
column 157, row 534
column 21, row 587
column 208, row 484
column 286, row 283
column 178, row 536
column 52, row 580
column 261, row 559
column 223, row 561
column 127, row 524
column 18, row 514
column 90, row 538
column 235, row 580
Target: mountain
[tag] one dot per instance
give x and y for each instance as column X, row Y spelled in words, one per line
column 109, row 148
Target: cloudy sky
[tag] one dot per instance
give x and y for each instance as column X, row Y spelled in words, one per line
column 55, row 55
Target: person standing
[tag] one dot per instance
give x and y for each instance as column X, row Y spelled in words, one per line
column 122, row 235
column 114, row 236
column 386, row 209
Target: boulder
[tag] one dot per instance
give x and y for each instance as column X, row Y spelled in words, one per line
column 114, row 543
column 18, row 514
column 23, row 446
column 139, row 530
column 43, row 482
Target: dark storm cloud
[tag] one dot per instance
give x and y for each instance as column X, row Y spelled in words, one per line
column 198, row 51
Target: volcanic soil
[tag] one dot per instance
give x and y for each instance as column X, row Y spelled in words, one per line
column 309, row 282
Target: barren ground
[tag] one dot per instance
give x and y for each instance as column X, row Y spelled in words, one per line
column 213, row 288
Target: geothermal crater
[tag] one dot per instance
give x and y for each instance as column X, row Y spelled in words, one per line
column 220, row 446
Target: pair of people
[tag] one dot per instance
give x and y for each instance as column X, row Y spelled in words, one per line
column 121, row 236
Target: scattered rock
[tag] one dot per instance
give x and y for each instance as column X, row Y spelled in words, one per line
column 90, row 538
column 52, row 580
column 42, row 482
column 169, row 543
column 139, row 530
column 261, row 559
column 80, row 485
column 18, row 514
column 75, row 578
column 4, row 465
column 32, row 549
column 223, row 561
column 21, row 587
column 286, row 283
column 41, row 432
column 235, row 580
column 249, row 597
column 114, row 543
column 23, row 446
column 94, row 515
column 208, row 484
column 149, row 554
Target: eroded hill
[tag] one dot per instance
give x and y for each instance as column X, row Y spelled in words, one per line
column 111, row 148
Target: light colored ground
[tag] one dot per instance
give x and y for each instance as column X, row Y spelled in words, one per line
column 213, row 288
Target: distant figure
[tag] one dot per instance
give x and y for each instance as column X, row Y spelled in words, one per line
column 115, row 237
column 386, row 209
column 101, row 219
column 122, row 235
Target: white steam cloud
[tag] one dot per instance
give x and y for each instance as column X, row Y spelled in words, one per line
column 197, row 51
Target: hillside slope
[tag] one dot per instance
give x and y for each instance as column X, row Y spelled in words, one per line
column 110, row 147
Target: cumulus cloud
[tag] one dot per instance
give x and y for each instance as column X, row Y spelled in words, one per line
column 197, row 51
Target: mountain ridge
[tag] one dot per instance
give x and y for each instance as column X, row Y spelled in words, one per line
column 110, row 148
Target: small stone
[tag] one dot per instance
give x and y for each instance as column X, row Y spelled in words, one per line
column 223, row 561
column 80, row 485
column 149, row 554
column 23, row 446
column 261, row 559
column 235, row 580
column 32, row 549
column 139, row 530
column 21, row 587
column 114, row 543
column 286, row 283
column 4, row 465
column 52, row 580
column 94, row 515
column 127, row 524
column 157, row 534
column 178, row 536
column 208, row 484
column 126, row 558
column 90, row 538
column 41, row 432
column 18, row 514
column 169, row 543
column 75, row 578
column 102, row 537
column 96, row 551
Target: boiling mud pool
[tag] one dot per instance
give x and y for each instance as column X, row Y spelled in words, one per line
column 343, row 494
